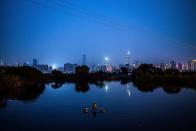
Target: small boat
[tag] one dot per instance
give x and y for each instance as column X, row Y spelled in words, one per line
column 94, row 109
column 94, row 106
column 85, row 110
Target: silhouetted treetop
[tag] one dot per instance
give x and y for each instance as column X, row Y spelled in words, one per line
column 82, row 69
column 24, row 72
column 124, row 70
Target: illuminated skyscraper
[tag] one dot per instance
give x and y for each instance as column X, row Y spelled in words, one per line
column 96, row 68
column 50, row 68
column 34, row 62
column 127, row 59
column 179, row 66
column 69, row 68
column 193, row 65
column 167, row 66
column 84, row 59
column 106, row 61
column 173, row 64
column 162, row 66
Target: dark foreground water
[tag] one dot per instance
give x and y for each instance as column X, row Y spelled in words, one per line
column 127, row 108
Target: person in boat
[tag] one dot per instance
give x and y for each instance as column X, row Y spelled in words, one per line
column 94, row 107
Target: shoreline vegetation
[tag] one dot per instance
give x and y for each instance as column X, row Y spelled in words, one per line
column 27, row 83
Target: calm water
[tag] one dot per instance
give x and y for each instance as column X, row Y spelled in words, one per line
column 127, row 108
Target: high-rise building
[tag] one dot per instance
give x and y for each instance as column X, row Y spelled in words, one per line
column 173, row 64
column 136, row 64
column 103, row 68
column 167, row 66
column 162, row 66
column 84, row 59
column 179, row 66
column 184, row 67
column 50, row 68
column 127, row 58
column 35, row 62
column 106, row 61
column 42, row 67
column 109, row 68
column 96, row 68
column 193, row 65
column 69, row 68
column 189, row 65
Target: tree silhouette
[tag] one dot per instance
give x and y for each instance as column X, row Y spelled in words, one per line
column 124, row 70
column 57, row 75
column 82, row 69
column 82, row 86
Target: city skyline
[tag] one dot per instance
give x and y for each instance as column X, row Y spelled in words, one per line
column 105, row 60
column 98, row 65
column 106, row 66
column 56, row 32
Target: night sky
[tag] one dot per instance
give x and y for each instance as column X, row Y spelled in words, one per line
column 60, row 31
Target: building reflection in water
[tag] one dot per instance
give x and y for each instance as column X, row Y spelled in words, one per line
column 106, row 87
column 128, row 89
column 128, row 86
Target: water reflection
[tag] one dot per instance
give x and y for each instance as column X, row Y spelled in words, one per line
column 99, row 84
column 30, row 93
column 150, row 86
column 56, row 85
column 23, row 93
column 128, row 89
column 81, row 86
column 144, row 86
column 106, row 87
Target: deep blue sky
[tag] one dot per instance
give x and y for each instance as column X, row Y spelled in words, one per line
column 60, row 31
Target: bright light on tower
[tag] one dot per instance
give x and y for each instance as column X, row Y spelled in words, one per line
column 53, row 66
column 128, row 53
column 106, row 58
column 127, row 59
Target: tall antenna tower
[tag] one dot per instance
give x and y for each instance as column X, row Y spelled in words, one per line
column 127, row 59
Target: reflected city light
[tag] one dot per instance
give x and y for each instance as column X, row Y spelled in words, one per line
column 106, row 88
column 128, row 90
